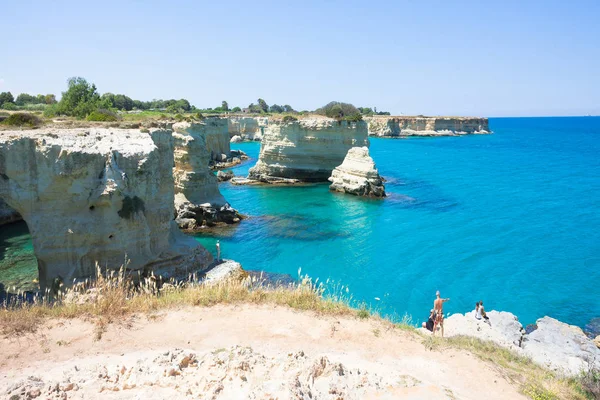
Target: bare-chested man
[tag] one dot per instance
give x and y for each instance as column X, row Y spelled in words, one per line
column 438, row 310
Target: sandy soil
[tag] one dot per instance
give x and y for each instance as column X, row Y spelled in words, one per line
column 239, row 352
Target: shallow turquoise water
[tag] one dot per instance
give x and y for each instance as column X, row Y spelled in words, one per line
column 510, row 218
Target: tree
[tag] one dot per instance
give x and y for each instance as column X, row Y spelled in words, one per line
column 25, row 98
column 80, row 99
column 50, row 99
column 236, row 109
column 288, row 108
column 276, row 109
column 6, row 97
column 338, row 110
column 224, row 106
column 263, row 105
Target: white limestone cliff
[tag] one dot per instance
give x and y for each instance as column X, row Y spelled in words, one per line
column 391, row 126
column 357, row 175
column 247, row 128
column 306, row 150
column 198, row 201
column 96, row 196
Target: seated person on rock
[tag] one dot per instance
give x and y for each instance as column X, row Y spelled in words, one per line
column 429, row 324
column 483, row 314
column 477, row 311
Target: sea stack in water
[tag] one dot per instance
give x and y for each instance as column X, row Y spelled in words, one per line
column 198, row 201
column 306, row 150
column 96, row 196
column 357, row 175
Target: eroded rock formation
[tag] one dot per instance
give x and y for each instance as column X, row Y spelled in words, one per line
column 217, row 140
column 96, row 196
column 8, row 214
column 306, row 150
column 198, row 201
column 357, row 175
column 247, row 128
column 426, row 126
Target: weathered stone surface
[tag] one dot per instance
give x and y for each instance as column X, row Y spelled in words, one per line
column 561, row 347
column 247, row 128
column 8, row 214
column 597, row 341
column 96, row 196
column 426, row 126
column 357, row 175
column 223, row 176
column 223, row 271
column 236, row 139
column 307, row 150
column 197, row 194
column 504, row 328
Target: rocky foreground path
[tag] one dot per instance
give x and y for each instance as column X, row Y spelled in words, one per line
column 249, row 351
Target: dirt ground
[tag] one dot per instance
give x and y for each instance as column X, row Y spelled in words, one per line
column 238, row 352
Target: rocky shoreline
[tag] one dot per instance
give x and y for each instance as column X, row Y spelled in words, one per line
column 557, row 346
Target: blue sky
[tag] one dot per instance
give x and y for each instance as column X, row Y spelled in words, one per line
column 508, row 58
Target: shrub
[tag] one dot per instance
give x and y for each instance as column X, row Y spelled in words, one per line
column 354, row 118
column 51, row 111
column 9, row 106
column 23, row 119
column 339, row 111
column 179, row 117
column 102, row 116
column 199, row 116
column 289, row 118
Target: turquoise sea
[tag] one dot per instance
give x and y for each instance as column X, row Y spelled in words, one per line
column 510, row 218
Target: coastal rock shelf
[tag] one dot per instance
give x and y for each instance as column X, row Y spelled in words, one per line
column 357, row 175
column 426, row 126
column 306, row 150
column 96, row 197
column 198, row 201
column 553, row 344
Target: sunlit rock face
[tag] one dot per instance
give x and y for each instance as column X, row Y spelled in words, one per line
column 426, row 126
column 8, row 214
column 307, row 150
column 247, row 128
column 357, row 175
column 96, row 196
column 198, row 200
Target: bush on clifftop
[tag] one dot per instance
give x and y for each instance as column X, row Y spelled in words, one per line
column 23, row 119
column 80, row 99
column 103, row 116
column 340, row 111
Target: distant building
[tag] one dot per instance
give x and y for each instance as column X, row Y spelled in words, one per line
column 245, row 110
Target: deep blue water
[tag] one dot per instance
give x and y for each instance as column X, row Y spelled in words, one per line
column 510, row 218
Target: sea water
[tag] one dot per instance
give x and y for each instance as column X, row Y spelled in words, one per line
column 509, row 218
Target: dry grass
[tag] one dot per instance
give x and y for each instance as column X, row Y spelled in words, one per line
column 113, row 297
column 535, row 382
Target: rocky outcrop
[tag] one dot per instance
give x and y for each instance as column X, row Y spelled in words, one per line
column 96, row 197
column 561, row 347
column 306, row 150
column 8, row 214
column 198, row 201
column 357, row 175
column 247, row 128
column 426, row 126
column 553, row 344
column 223, row 176
column 217, row 140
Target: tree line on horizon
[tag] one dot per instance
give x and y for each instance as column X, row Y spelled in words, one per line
column 82, row 100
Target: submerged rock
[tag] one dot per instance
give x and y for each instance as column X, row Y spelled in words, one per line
column 96, row 196
column 357, row 175
column 198, row 201
column 306, row 150
column 561, row 347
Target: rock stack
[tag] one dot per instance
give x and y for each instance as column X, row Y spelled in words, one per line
column 357, row 175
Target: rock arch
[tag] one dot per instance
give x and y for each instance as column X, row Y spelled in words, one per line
column 96, row 196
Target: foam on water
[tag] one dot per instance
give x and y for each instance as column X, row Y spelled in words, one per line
column 509, row 218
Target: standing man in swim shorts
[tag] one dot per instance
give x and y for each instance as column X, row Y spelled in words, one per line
column 218, row 246
column 438, row 310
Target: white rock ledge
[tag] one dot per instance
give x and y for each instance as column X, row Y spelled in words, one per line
column 357, row 175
